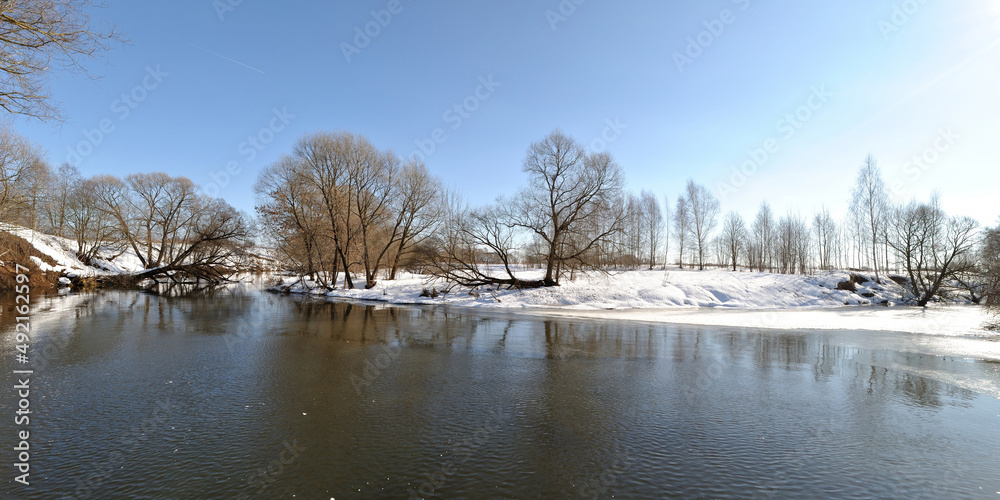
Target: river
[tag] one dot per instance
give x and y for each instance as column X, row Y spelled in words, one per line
column 239, row 393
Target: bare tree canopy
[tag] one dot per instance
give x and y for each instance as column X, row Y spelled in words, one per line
column 20, row 161
column 571, row 202
column 734, row 238
column 339, row 203
column 704, row 214
column 682, row 225
column 991, row 266
column 933, row 247
column 826, row 233
column 761, row 250
column 37, row 36
column 869, row 204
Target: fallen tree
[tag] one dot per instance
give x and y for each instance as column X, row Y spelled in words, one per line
column 472, row 245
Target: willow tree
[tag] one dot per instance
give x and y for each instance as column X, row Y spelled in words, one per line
column 934, row 248
column 571, row 203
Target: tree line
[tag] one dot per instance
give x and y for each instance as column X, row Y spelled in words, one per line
column 164, row 221
column 337, row 207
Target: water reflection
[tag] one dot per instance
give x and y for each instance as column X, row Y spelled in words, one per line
column 386, row 400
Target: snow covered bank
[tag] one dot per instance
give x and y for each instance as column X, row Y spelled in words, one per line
column 712, row 297
column 634, row 290
column 108, row 262
column 63, row 252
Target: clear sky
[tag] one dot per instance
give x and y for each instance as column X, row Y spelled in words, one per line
column 678, row 90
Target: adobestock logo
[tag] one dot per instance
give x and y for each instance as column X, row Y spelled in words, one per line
column 456, row 114
column 248, row 149
column 122, row 108
column 363, row 36
column 714, row 28
column 787, row 127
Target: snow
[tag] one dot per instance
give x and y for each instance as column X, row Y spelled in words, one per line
column 633, row 290
column 63, row 252
column 710, row 297
column 59, row 249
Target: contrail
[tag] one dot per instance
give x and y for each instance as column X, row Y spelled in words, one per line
column 224, row 57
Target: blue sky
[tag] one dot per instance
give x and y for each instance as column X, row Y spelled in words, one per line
column 816, row 86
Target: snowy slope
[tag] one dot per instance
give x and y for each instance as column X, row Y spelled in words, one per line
column 63, row 251
column 714, row 297
column 637, row 290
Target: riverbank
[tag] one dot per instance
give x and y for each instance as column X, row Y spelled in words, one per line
column 18, row 256
column 640, row 289
column 53, row 261
column 717, row 297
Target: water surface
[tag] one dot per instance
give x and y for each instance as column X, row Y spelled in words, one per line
column 241, row 393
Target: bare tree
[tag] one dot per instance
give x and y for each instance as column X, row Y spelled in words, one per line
column 472, row 243
column 19, row 160
column 171, row 228
column 734, row 238
column 418, row 209
column 289, row 209
column 93, row 228
column 64, row 182
column 704, row 212
column 666, row 230
column 632, row 237
column 933, row 247
column 792, row 247
column 654, row 224
column 568, row 191
column 826, row 230
column 325, row 158
column 35, row 188
column 869, row 203
column 990, row 257
column 682, row 225
column 339, row 202
column 38, row 35
column 371, row 175
column 761, row 252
